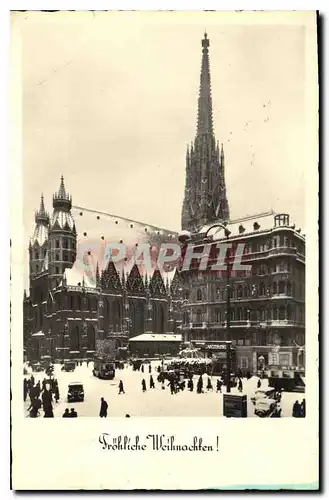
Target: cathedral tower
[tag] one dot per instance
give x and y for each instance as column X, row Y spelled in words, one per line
column 62, row 236
column 39, row 243
column 205, row 198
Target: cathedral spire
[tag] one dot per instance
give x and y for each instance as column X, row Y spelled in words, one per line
column 205, row 199
column 205, row 103
column 41, row 216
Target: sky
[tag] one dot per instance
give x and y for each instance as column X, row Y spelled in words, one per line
column 110, row 102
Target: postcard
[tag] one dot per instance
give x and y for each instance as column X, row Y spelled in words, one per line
column 164, row 269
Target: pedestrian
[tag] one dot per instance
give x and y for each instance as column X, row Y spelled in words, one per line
column 32, row 381
column 66, row 413
column 150, row 368
column 209, row 385
column 162, row 385
column 172, row 386
column 103, row 409
column 143, row 385
column 121, row 389
column 303, row 408
column 73, row 413
column 240, row 386
column 25, row 389
column 142, row 368
column 48, row 410
column 259, row 383
column 296, row 410
column 199, row 385
column 219, row 385
column 152, row 385
column 159, row 369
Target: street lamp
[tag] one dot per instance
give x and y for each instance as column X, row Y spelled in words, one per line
column 228, row 305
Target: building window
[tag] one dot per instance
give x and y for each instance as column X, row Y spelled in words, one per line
column 275, row 314
column 57, row 256
column 288, row 288
column 262, row 289
column 65, row 243
column 217, row 316
column 57, row 270
column 37, row 255
column 218, row 293
column 275, row 288
column 57, row 244
column 282, row 266
column 262, row 315
column 240, row 291
column 199, row 294
column 281, row 287
column 198, row 316
column 243, row 362
column 282, row 313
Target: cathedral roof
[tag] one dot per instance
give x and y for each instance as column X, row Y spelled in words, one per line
column 62, row 219
column 40, row 234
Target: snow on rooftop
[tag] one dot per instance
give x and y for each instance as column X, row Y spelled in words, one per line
column 156, row 337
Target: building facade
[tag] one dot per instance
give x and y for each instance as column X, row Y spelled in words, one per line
column 266, row 304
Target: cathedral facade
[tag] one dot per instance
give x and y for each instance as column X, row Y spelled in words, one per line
column 72, row 309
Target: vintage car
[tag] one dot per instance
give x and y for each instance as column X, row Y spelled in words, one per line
column 267, row 407
column 75, row 392
column 104, row 369
column 269, row 392
column 68, row 367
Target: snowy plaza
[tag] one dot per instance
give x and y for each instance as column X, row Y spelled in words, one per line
column 152, row 403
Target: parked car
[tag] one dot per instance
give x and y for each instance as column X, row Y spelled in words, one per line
column 75, row 392
column 68, row 367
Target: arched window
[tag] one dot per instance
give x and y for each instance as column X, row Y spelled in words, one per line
column 198, row 294
column 238, row 314
column 75, row 339
column 282, row 312
column 71, row 302
column 232, row 315
column 57, row 243
column 65, row 243
column 91, row 343
column 240, row 291
column 281, row 286
column 198, row 316
column 37, row 255
column 246, row 291
column 218, row 315
column 262, row 289
column 57, row 256
column 78, row 299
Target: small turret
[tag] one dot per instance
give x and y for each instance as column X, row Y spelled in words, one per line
column 62, row 199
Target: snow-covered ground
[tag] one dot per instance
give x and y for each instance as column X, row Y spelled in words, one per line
column 154, row 402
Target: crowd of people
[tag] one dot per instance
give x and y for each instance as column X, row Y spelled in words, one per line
column 42, row 395
column 299, row 409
